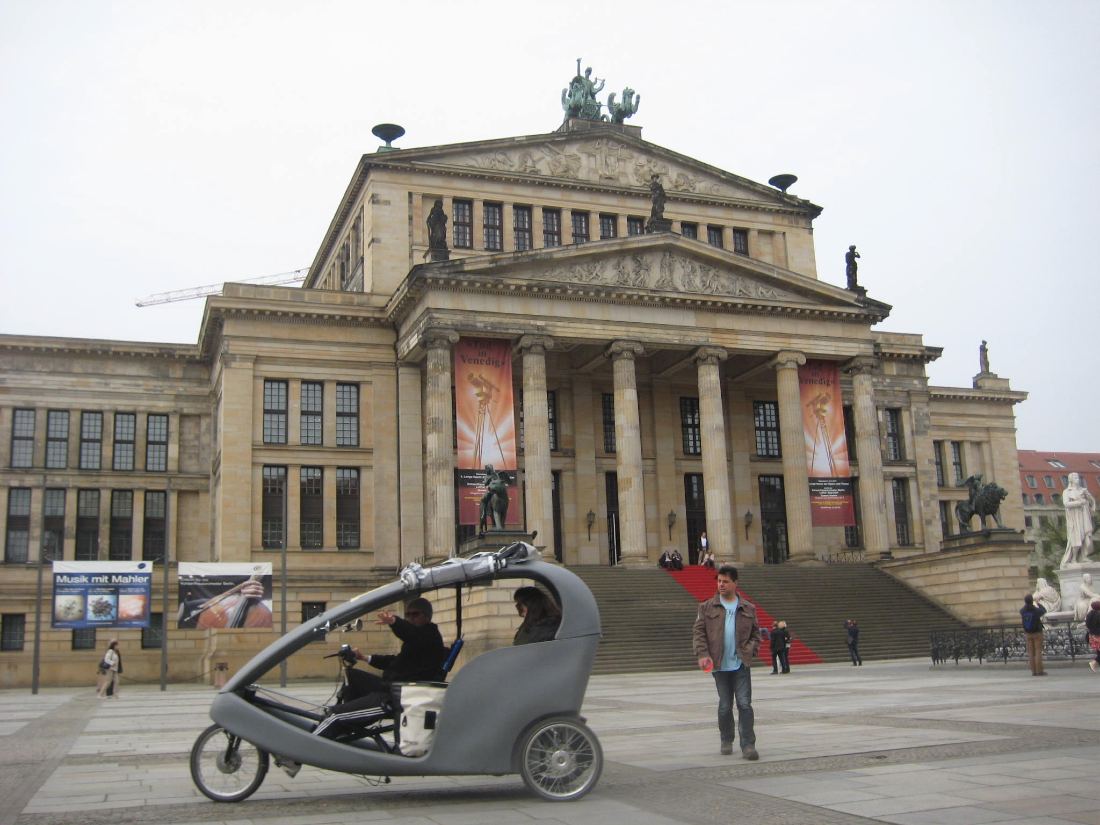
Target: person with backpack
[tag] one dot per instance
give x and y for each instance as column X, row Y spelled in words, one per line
column 1092, row 625
column 1031, row 614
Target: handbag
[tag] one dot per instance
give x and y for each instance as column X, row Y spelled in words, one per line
column 102, row 667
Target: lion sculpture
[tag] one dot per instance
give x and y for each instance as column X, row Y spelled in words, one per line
column 985, row 500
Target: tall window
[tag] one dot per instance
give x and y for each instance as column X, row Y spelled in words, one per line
column 464, row 224
column 152, row 636
column 11, row 631
column 1049, row 482
column 608, row 422
column 741, row 241
column 551, row 227
column 154, row 525
column 347, row 415
column 91, row 440
column 347, row 508
column 609, row 227
column 22, row 438
column 312, row 511
column 53, row 523
column 765, row 416
column 580, row 227
column 83, row 638
column 850, row 431
column 521, row 223
column 273, row 507
column 937, row 452
column 87, row 525
column 493, row 225
column 125, row 428
column 635, row 226
column 274, row 412
column 689, row 230
column 57, row 439
column 957, row 463
column 1031, row 482
column 895, row 446
column 552, row 418
column 122, row 525
column 156, row 443
column 689, row 426
column 714, row 236
column 312, row 427
column 945, row 519
column 901, row 511
column 19, row 525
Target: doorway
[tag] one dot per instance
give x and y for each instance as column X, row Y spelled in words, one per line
column 773, row 519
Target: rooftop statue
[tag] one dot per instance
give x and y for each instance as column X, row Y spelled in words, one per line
column 579, row 99
column 851, row 268
column 983, row 357
column 622, row 110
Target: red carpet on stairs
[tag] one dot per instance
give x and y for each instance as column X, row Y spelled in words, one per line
column 699, row 582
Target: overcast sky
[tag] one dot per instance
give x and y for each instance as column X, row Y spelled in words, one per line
column 151, row 146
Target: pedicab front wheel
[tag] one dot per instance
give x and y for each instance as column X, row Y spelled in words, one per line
column 225, row 767
column 560, row 759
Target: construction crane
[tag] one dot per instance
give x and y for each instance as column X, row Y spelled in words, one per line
column 295, row 277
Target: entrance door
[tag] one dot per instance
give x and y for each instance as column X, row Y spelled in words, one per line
column 611, row 492
column 555, row 499
column 696, row 506
column 773, row 519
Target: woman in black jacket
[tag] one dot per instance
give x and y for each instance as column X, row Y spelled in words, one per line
column 1092, row 625
column 541, row 616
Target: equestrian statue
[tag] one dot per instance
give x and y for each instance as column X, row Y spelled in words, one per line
column 985, row 500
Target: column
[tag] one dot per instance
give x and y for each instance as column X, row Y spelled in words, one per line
column 536, row 440
column 628, row 454
column 237, row 534
column 586, row 484
column 411, row 456
column 796, row 480
column 381, row 501
column 712, row 426
column 439, row 458
column 872, row 499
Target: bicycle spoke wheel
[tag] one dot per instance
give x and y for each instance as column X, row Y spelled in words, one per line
column 561, row 759
column 225, row 767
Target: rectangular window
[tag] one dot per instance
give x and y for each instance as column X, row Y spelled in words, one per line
column 91, row 440
column 310, row 611
column 689, row 230
column 156, row 443
column 609, row 227
column 580, row 227
column 53, row 524
column 87, row 525
column 901, row 511
column 937, row 452
column 957, row 463
column 274, row 412
column 551, row 227
column 57, row 439
column 125, row 429
column 152, row 636
column 895, row 446
column 493, row 225
column 765, row 416
column 741, row 241
column 11, row 631
column 714, row 236
column 1049, row 482
column 273, row 507
column 83, row 638
column 608, row 422
column 311, row 508
column 635, row 226
column 521, row 223
column 552, row 418
column 313, row 407
column 154, row 525
column 347, row 415
column 850, row 431
column 689, row 426
column 1031, row 482
column 464, row 224
column 122, row 526
column 945, row 519
column 1056, row 464
column 347, row 508
column 19, row 525
column 22, row 438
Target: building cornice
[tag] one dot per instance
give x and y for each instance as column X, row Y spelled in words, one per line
column 45, row 345
column 967, row 394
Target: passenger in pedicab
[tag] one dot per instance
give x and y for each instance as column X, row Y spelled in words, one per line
column 541, row 616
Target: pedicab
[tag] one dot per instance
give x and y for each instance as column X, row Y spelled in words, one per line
column 509, row 710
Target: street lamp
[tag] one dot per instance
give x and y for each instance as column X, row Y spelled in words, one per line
column 590, row 519
column 671, row 522
column 748, row 523
column 49, row 542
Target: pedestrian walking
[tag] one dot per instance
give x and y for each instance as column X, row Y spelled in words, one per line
column 109, row 668
column 725, row 639
column 1031, row 615
column 784, row 646
column 1092, row 625
column 853, row 641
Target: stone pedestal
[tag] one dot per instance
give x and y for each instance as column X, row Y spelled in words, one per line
column 492, row 540
column 1069, row 580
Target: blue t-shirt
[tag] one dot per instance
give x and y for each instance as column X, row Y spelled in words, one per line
column 730, row 659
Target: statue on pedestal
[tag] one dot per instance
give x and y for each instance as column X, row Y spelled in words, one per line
column 1047, row 596
column 985, row 500
column 494, row 504
column 437, row 233
column 1087, row 597
column 983, row 357
column 851, row 267
column 1080, row 506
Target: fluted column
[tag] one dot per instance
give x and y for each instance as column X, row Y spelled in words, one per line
column 796, row 480
column 536, row 440
column 439, row 458
column 628, row 454
column 712, row 427
column 872, row 499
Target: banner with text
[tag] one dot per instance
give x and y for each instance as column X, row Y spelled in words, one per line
column 101, row 593
column 472, row 488
column 224, row 596
column 831, row 501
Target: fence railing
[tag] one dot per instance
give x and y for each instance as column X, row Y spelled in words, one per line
column 854, row 555
column 1060, row 642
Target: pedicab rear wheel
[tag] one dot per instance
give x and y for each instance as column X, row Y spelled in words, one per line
column 225, row 767
column 560, row 759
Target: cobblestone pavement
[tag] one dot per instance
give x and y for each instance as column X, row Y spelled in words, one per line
column 889, row 742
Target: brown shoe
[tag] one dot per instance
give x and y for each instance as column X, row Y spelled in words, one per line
column 749, row 752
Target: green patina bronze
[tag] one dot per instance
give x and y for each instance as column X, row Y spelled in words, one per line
column 579, row 99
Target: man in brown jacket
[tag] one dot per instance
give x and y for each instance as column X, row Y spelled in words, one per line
column 725, row 638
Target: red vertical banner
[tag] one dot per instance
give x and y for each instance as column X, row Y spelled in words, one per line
column 827, row 462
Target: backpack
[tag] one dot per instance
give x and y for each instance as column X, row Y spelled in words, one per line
column 1031, row 621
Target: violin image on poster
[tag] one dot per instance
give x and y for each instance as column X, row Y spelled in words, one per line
column 243, row 605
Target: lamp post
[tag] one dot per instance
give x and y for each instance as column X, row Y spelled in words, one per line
column 748, row 523
column 48, row 541
column 590, row 519
column 671, row 522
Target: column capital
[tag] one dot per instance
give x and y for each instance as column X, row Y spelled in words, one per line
column 710, row 355
column 537, row 344
column 440, row 338
column 788, row 360
column 861, row 365
column 624, row 349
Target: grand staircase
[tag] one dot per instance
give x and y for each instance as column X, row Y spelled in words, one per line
column 647, row 614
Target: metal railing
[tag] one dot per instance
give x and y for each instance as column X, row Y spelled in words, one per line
column 1061, row 641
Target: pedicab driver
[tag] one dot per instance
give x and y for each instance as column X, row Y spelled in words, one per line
column 726, row 638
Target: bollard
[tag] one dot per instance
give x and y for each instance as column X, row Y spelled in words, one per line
column 221, row 674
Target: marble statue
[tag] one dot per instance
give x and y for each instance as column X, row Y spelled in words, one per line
column 1080, row 505
column 1047, row 596
column 1085, row 600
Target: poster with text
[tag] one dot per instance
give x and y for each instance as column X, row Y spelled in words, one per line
column 831, row 502
column 470, row 485
column 484, row 411
column 101, row 594
column 216, row 596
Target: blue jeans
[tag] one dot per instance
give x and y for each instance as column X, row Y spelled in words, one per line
column 735, row 686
